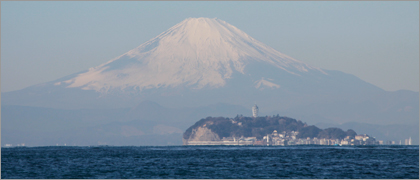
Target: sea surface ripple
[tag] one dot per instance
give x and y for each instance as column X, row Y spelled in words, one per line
column 215, row 162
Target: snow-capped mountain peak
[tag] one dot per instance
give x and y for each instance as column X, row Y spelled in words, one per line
column 196, row 52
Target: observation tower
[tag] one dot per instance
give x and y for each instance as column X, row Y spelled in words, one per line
column 255, row 111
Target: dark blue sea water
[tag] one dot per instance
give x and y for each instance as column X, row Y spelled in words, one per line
column 211, row 162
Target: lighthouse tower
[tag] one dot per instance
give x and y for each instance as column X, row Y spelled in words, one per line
column 255, row 111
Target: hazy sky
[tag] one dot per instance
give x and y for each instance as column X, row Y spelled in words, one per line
column 376, row 41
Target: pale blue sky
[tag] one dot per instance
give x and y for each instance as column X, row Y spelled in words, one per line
column 376, row 41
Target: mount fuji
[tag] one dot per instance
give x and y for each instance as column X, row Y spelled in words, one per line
column 203, row 62
column 196, row 53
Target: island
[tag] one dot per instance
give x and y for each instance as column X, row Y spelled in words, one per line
column 268, row 130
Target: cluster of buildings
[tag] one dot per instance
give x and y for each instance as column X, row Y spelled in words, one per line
column 406, row 142
column 289, row 138
column 11, row 145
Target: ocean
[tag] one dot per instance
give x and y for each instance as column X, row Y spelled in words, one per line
column 214, row 162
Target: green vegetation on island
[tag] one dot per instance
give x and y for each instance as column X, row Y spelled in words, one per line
column 259, row 127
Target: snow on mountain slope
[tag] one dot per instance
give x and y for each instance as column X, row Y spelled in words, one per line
column 261, row 83
column 196, row 52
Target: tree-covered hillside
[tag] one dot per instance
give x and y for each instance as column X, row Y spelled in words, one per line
column 261, row 126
